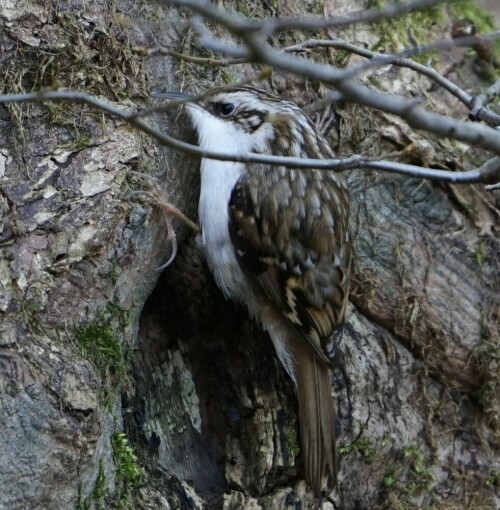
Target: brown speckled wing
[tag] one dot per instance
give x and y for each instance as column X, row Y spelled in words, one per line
column 294, row 246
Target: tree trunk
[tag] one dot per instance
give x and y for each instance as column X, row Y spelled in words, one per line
column 95, row 342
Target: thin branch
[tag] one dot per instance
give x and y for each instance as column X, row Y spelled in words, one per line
column 275, row 25
column 478, row 111
column 492, row 187
column 475, row 104
column 367, row 16
column 416, row 116
column 204, row 33
column 380, row 59
column 210, row 61
column 488, row 173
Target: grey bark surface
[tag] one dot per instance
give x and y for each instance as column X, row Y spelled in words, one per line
column 94, row 341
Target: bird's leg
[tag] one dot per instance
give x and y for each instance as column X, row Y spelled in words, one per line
column 154, row 196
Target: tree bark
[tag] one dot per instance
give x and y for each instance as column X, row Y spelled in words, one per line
column 95, row 342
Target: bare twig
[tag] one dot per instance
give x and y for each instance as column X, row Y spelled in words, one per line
column 489, row 173
column 478, row 111
column 475, row 104
column 275, row 25
column 380, row 59
column 492, row 187
column 210, row 61
column 416, row 116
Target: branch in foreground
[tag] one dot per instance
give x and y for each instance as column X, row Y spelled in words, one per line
column 380, row 59
column 475, row 104
column 488, row 173
column 478, row 110
column 366, row 16
column 274, row 25
column 142, row 51
column 416, row 116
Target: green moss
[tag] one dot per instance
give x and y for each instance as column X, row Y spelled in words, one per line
column 493, row 479
column 99, row 492
column 292, row 444
column 480, row 254
column 96, row 500
column 375, row 82
column 488, row 62
column 386, row 439
column 487, row 359
column 80, row 141
column 129, row 474
column 317, row 7
column 412, row 475
column 420, row 27
column 390, row 478
column 485, row 394
column 98, row 61
column 30, row 310
column 127, row 468
column 115, row 271
column 341, row 58
column 401, row 32
column 100, row 340
column 81, row 502
column 226, row 76
column 419, row 470
column 363, row 446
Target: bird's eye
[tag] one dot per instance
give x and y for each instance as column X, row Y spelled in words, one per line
column 226, row 109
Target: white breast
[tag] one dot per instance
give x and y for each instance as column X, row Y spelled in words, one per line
column 218, row 179
column 217, row 182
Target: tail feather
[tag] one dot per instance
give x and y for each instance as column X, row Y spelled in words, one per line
column 317, row 418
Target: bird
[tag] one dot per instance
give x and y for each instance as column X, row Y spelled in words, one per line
column 277, row 240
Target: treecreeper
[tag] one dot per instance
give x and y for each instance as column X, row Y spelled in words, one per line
column 276, row 240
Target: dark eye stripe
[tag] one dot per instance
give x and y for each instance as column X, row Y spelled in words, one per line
column 251, row 120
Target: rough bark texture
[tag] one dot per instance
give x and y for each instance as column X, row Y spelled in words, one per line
column 93, row 343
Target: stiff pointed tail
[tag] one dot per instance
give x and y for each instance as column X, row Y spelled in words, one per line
column 317, row 420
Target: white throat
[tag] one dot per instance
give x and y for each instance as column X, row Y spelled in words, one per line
column 218, row 179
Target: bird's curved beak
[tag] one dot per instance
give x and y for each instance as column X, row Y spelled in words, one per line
column 172, row 95
column 181, row 99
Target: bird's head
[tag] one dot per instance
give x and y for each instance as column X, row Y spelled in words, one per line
column 248, row 119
